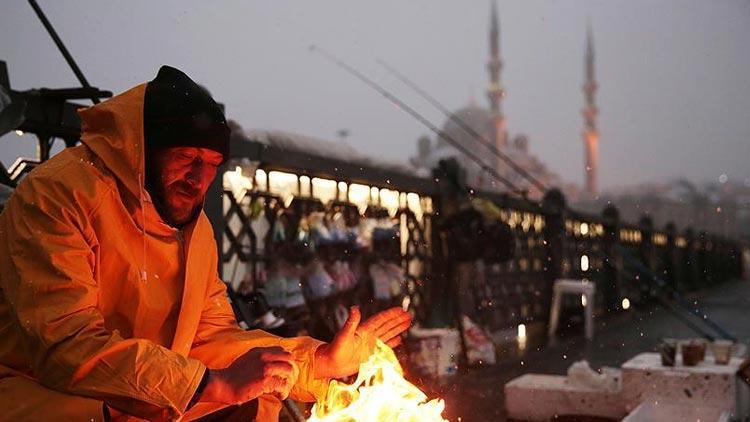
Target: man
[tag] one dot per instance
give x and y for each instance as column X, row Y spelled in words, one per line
column 110, row 302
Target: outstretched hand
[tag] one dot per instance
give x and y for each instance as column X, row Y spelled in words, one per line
column 263, row 370
column 356, row 342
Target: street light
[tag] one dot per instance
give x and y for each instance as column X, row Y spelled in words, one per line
column 626, row 304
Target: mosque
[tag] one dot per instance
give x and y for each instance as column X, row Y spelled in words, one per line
column 490, row 124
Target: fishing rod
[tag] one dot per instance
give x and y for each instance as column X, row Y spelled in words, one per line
column 391, row 97
column 409, row 110
column 461, row 123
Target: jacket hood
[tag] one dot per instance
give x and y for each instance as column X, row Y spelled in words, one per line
column 113, row 130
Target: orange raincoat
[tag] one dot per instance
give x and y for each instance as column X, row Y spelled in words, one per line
column 100, row 301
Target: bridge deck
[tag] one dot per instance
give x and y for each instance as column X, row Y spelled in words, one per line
column 478, row 395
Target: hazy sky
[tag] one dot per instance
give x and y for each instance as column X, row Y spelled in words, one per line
column 674, row 75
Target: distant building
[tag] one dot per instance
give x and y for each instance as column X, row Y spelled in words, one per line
column 717, row 208
column 490, row 124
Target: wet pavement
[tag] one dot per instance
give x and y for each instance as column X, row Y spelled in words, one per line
column 478, row 395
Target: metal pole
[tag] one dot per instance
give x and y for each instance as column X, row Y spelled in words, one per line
column 61, row 47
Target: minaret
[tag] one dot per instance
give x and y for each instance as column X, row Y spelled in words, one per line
column 590, row 133
column 496, row 91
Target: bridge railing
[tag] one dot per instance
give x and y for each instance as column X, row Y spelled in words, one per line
column 264, row 183
column 272, row 197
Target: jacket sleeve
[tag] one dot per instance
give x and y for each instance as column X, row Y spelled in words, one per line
column 219, row 341
column 53, row 295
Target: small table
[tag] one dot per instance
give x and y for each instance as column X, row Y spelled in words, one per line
column 704, row 385
column 583, row 288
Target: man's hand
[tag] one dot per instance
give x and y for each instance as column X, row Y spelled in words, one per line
column 264, row 370
column 355, row 343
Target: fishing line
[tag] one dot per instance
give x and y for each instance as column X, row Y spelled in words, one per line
column 406, row 108
column 461, row 123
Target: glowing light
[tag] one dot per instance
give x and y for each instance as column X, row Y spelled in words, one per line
column 375, row 195
column 324, row 189
column 19, row 132
column 626, row 303
column 359, row 195
column 426, row 203
column 260, row 180
column 515, row 218
column 405, row 303
column 521, row 336
column 380, row 393
column 389, row 199
column 584, row 229
column 283, row 184
column 236, row 182
column 584, row 301
column 522, row 331
column 539, row 223
column 414, row 204
column 342, row 191
column 584, row 263
column 659, row 239
column 305, row 185
column 526, row 222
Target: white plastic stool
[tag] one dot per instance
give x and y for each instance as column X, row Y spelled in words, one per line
column 578, row 287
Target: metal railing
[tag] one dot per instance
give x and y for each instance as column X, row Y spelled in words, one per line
column 551, row 241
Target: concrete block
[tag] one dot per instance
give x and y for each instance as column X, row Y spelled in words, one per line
column 705, row 385
column 670, row 412
column 537, row 397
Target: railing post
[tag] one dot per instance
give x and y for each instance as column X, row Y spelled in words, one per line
column 611, row 285
column 553, row 208
column 743, row 260
column 440, row 288
column 724, row 251
column 451, row 180
column 646, row 252
column 704, row 267
column 214, row 209
column 671, row 264
column 738, row 263
column 690, row 260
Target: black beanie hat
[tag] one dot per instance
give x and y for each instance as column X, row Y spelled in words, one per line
column 177, row 112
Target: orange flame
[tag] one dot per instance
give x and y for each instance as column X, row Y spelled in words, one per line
column 380, row 393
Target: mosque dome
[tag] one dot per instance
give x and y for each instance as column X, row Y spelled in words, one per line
column 475, row 117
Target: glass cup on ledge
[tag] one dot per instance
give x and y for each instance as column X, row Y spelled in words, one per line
column 668, row 351
column 722, row 351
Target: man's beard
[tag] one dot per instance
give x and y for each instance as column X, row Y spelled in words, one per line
column 158, row 195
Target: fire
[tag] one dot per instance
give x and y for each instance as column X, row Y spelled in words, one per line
column 380, row 393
